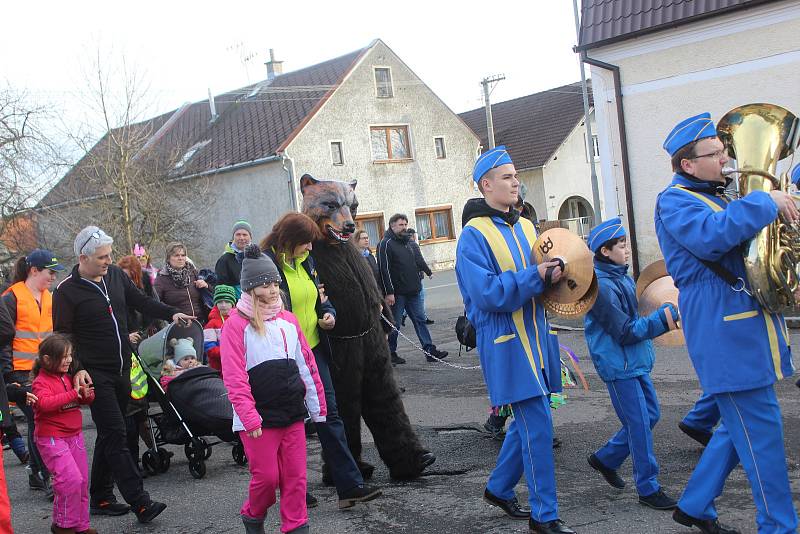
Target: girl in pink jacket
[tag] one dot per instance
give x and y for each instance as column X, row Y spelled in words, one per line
column 272, row 382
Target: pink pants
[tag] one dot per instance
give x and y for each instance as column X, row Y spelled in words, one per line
column 277, row 459
column 5, row 504
column 65, row 458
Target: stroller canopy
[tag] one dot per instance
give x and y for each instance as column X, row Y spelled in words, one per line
column 154, row 350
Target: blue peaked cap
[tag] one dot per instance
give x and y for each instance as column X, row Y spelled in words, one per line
column 796, row 175
column 604, row 231
column 489, row 160
column 688, row 130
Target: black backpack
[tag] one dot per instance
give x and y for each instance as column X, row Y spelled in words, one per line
column 465, row 332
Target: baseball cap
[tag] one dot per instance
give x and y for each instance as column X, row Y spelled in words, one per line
column 43, row 259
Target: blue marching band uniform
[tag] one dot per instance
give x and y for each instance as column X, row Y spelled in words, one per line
column 500, row 288
column 738, row 349
column 619, row 342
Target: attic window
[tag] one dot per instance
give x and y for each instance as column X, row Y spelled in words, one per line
column 383, row 82
column 189, row 153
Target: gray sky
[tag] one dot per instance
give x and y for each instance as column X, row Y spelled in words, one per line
column 184, row 48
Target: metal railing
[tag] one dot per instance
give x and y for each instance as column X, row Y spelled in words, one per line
column 578, row 225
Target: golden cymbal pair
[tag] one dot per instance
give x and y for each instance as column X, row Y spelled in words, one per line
column 653, row 288
column 576, row 292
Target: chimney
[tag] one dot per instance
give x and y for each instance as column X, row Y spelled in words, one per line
column 213, row 107
column 274, row 68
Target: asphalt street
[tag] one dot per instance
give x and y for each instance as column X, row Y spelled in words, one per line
column 448, row 406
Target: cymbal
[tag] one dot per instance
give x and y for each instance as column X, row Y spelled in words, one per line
column 653, row 296
column 654, row 271
column 578, row 264
column 573, row 310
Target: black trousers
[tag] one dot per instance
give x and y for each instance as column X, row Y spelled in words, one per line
column 112, row 461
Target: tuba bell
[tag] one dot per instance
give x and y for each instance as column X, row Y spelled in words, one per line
column 757, row 137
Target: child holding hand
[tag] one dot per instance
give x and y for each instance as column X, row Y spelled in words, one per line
column 58, row 435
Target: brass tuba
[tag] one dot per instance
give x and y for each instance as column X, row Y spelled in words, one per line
column 758, row 136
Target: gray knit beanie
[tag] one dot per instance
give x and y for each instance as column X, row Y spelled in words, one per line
column 242, row 225
column 257, row 269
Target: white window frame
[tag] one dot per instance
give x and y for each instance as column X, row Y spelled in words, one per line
column 444, row 147
column 341, row 151
column 405, row 125
column 375, row 80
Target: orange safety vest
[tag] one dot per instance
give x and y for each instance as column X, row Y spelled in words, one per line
column 33, row 325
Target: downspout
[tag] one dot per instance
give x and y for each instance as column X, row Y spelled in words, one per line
column 288, row 166
column 623, row 138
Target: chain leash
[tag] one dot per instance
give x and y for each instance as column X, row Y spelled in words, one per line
column 428, row 354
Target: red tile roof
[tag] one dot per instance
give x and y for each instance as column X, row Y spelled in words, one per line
column 532, row 127
column 608, row 21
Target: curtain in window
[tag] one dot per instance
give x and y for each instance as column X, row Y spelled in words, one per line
column 371, row 227
column 379, row 149
column 424, row 227
column 442, row 222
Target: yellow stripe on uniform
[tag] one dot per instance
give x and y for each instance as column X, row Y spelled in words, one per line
column 772, row 334
column 502, row 254
column 529, row 231
column 713, row 205
column 740, row 316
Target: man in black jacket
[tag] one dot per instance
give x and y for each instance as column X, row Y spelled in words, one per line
column 90, row 305
column 229, row 265
column 399, row 268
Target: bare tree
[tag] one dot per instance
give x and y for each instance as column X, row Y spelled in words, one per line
column 127, row 182
column 29, row 163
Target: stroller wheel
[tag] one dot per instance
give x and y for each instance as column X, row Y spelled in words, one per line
column 151, row 463
column 197, row 468
column 194, row 450
column 238, row 454
column 165, row 456
column 206, row 448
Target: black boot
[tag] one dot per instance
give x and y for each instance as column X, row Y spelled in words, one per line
column 511, row 506
column 365, row 468
column 700, row 436
column 556, row 526
column 609, row 474
column 253, row 525
column 706, row 526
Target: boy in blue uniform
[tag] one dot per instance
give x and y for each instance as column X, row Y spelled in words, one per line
column 621, row 350
column 738, row 349
column 501, row 288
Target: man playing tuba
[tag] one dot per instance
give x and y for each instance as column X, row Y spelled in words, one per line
column 738, row 349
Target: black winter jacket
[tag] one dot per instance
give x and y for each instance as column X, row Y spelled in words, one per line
column 228, row 269
column 96, row 316
column 399, row 266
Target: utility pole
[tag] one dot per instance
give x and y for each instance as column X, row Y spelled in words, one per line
column 490, row 80
column 589, row 139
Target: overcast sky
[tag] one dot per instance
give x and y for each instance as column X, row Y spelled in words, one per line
column 183, row 48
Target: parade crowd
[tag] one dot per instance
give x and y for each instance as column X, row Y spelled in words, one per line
column 278, row 331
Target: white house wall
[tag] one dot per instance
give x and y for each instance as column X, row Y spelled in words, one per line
column 258, row 194
column 568, row 173
column 537, row 194
column 712, row 66
column 398, row 187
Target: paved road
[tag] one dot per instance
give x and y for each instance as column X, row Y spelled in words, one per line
column 448, row 406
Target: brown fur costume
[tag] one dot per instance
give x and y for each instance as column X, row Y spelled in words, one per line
column 360, row 367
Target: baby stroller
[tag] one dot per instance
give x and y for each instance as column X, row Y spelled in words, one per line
column 195, row 405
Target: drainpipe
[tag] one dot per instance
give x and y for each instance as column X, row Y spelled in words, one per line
column 288, row 166
column 623, row 138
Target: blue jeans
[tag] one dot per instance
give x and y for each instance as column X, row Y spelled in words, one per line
column 335, row 451
column 413, row 304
